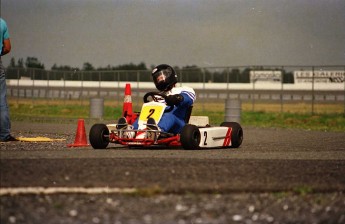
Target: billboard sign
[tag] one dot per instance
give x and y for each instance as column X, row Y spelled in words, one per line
column 319, row 76
column 266, row 76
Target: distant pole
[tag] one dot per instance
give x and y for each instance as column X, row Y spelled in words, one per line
column 253, row 96
column 138, row 80
column 18, row 77
column 227, row 79
column 33, row 87
column 118, row 88
column 203, row 87
column 64, row 87
column 82, row 86
column 312, row 90
column 282, row 90
column 48, row 89
column 344, row 91
column 99, row 84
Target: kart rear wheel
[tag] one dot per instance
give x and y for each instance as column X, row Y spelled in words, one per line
column 236, row 134
column 190, row 137
column 98, row 136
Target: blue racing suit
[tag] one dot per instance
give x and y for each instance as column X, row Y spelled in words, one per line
column 174, row 121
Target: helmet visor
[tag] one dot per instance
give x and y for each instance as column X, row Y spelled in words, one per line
column 161, row 79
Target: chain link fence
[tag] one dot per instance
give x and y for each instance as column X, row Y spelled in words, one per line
column 307, row 89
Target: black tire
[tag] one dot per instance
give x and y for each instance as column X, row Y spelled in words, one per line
column 98, row 136
column 190, row 137
column 236, row 135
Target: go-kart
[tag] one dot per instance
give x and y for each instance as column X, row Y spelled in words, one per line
column 196, row 134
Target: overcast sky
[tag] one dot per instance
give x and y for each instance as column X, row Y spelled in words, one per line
column 177, row 32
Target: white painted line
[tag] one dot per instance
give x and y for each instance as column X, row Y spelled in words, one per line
column 65, row 190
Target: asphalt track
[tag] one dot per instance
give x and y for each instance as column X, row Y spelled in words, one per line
column 270, row 161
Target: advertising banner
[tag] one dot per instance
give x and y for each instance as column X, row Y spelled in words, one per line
column 266, row 76
column 319, row 76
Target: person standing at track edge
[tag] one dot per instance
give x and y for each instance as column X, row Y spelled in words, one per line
column 5, row 123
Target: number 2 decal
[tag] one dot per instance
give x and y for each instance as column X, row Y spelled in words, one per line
column 205, row 134
column 150, row 113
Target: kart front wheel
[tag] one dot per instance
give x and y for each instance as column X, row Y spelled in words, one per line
column 236, row 134
column 190, row 137
column 99, row 136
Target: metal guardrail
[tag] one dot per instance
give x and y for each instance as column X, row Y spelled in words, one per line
column 204, row 94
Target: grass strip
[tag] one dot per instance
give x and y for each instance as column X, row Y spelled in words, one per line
column 322, row 122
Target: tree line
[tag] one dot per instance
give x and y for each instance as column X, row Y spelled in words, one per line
column 192, row 73
column 33, row 62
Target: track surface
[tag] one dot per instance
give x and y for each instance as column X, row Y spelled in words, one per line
column 276, row 176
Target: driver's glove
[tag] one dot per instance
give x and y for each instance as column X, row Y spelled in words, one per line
column 172, row 100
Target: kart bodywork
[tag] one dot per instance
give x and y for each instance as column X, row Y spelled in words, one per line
column 196, row 134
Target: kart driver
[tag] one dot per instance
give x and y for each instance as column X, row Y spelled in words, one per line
column 182, row 98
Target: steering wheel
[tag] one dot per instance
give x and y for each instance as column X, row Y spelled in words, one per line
column 156, row 96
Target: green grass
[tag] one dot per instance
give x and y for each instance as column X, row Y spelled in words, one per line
column 321, row 122
column 59, row 111
column 324, row 122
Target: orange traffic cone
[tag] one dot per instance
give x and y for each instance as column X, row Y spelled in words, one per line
column 80, row 138
column 127, row 110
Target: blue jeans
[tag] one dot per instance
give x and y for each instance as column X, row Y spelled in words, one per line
column 5, row 124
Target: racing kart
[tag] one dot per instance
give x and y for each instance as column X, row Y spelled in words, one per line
column 196, row 134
